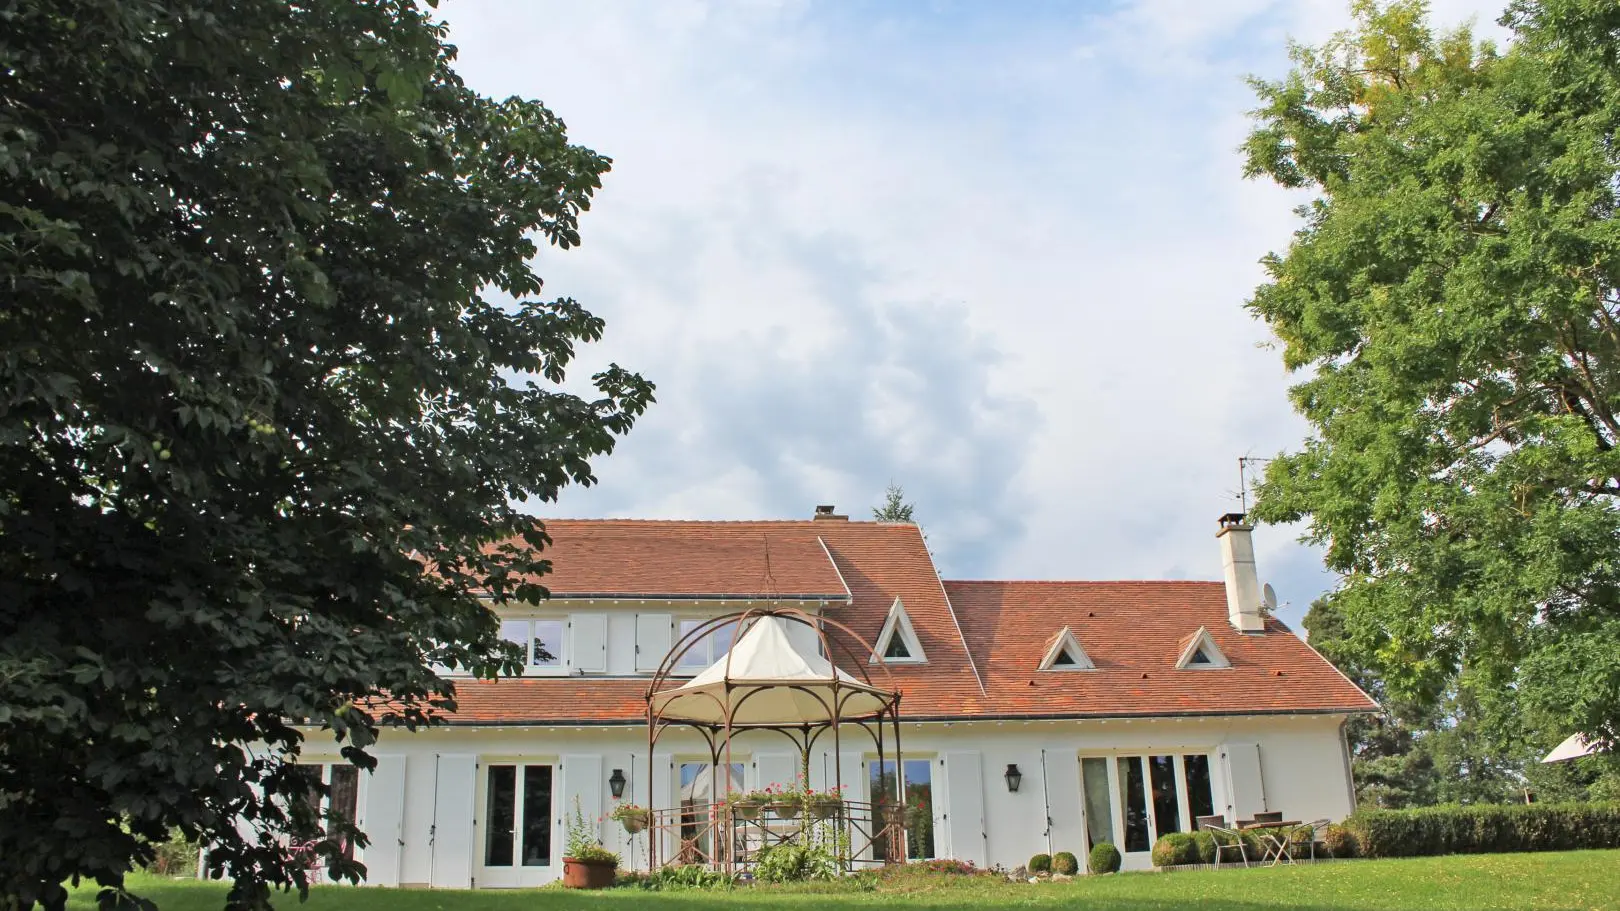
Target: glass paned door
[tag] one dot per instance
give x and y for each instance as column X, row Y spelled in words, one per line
column 517, row 821
column 1099, row 805
column 918, row 807
column 1133, row 803
column 701, row 789
column 1200, row 796
column 1166, row 803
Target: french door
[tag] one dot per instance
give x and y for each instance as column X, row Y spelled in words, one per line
column 1130, row 801
column 917, row 809
column 516, row 848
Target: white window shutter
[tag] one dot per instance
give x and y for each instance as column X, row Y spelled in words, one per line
column 1245, row 784
column 451, row 840
column 963, row 790
column 587, row 645
column 653, row 640
column 779, row 769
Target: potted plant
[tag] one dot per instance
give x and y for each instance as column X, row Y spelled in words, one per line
column 634, row 818
column 586, row 864
column 787, row 803
column 823, row 804
column 749, row 804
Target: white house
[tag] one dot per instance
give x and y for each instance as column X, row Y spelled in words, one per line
column 1124, row 710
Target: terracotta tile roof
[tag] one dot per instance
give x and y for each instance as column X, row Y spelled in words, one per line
column 1134, row 632
column 551, row 700
column 689, row 559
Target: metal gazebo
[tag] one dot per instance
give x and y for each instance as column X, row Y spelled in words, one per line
column 779, row 676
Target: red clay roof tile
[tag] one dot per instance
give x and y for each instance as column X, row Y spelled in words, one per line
column 1130, row 630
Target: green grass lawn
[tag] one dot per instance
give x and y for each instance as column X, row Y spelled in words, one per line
column 1574, row 881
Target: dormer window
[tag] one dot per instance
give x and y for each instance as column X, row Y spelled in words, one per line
column 1199, row 652
column 897, row 642
column 1063, row 653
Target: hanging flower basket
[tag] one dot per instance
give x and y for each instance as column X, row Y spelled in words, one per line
column 824, row 806
column 786, row 810
column 634, row 819
column 750, row 805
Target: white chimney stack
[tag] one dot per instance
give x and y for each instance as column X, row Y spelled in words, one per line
column 1243, row 597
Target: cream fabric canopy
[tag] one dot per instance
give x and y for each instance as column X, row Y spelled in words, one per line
column 1574, row 747
column 770, row 681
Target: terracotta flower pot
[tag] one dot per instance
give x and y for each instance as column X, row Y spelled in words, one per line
column 588, row 874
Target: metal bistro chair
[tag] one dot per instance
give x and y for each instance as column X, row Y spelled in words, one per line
column 1225, row 840
column 1314, row 829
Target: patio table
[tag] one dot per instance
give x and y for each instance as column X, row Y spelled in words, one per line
column 1277, row 847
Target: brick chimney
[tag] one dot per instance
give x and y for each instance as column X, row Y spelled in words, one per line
column 1243, row 598
column 829, row 513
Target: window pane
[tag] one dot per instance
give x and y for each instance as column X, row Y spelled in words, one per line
column 721, row 639
column 1200, row 797
column 698, row 655
column 897, row 646
column 919, row 809
column 517, row 631
column 1099, row 807
column 537, row 816
column 1166, row 805
column 548, row 637
column 1133, row 802
column 500, row 808
column 345, row 798
column 882, row 784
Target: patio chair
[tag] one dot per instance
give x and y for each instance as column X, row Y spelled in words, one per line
column 1312, row 830
column 1227, row 840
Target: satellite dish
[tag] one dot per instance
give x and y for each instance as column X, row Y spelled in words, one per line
column 1268, row 597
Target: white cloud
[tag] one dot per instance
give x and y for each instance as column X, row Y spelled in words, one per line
column 998, row 260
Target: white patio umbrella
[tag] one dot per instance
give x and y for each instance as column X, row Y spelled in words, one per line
column 1573, row 747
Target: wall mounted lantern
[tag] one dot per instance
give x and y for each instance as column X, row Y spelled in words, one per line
column 1014, row 778
column 616, row 783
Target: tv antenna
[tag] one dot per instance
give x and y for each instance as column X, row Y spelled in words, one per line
column 1243, row 479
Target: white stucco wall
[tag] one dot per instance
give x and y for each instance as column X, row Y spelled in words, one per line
column 1302, row 773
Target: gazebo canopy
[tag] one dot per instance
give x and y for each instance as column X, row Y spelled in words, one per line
column 766, row 680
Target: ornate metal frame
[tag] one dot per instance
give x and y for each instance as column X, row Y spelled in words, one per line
column 804, row 735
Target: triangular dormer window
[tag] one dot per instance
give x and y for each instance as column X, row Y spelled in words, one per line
column 1199, row 651
column 897, row 641
column 1064, row 653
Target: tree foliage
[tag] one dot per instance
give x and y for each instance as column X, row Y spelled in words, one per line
column 1453, row 299
column 274, row 366
column 894, row 508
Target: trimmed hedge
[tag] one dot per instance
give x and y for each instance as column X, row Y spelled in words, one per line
column 1040, row 863
column 1066, row 863
column 1104, row 859
column 1485, row 829
column 1175, row 849
column 1339, row 841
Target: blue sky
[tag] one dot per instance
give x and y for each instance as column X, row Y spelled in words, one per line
column 994, row 252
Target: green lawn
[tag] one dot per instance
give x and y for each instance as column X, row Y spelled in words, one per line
column 1575, row 881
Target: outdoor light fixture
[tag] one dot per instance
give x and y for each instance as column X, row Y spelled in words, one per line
column 1014, row 778
column 616, row 783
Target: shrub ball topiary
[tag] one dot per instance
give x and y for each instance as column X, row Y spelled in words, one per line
column 1066, row 863
column 1204, row 844
column 1175, row 850
column 1104, row 859
column 1040, row 863
column 1340, row 842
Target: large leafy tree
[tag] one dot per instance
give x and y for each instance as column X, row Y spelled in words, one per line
column 274, row 365
column 1453, row 299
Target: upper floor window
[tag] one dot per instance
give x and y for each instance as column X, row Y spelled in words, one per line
column 541, row 641
column 706, row 651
